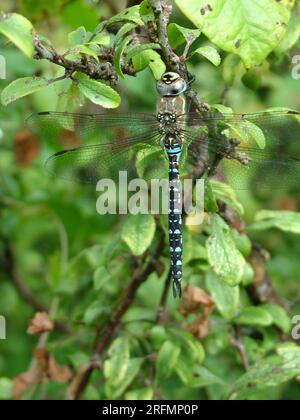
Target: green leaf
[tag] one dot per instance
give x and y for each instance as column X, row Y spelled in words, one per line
column 146, row 11
column 123, row 31
column 274, row 370
column 116, row 366
column 22, row 87
column 6, row 389
column 223, row 255
column 210, row 53
column 18, row 30
column 223, row 109
column 140, row 394
column 254, row 315
column 90, row 50
column 132, row 369
column 225, row 297
column 77, row 37
column 95, row 311
column 287, row 221
column 293, row 31
column 246, row 131
column 157, row 336
column 101, row 277
column 243, row 243
column 131, row 14
column 119, row 53
column 250, row 29
column 138, row 48
column 280, row 317
column 138, row 232
column 152, row 59
column 204, row 377
column 210, row 202
column 179, row 35
column 166, row 359
column 226, row 194
column 98, row 92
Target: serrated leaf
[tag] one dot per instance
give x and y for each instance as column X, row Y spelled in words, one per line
column 98, row 92
column 22, row 87
column 119, row 54
column 178, row 35
column 223, row 255
column 254, row 315
column 225, row 297
column 138, row 232
column 18, row 30
column 77, row 37
column 210, row 53
column 152, row 59
column 131, row 14
column 287, row 221
column 166, row 359
column 250, row 29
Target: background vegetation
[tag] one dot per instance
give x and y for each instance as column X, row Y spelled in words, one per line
column 112, row 329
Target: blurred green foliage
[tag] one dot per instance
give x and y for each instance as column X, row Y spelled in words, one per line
column 54, row 243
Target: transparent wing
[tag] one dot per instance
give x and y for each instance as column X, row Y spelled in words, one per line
column 89, row 164
column 70, row 129
column 267, row 151
column 117, row 141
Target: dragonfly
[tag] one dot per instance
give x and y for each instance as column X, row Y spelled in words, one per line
column 252, row 149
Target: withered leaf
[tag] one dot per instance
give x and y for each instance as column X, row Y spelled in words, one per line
column 40, row 323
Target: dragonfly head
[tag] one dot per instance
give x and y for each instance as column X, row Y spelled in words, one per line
column 171, row 84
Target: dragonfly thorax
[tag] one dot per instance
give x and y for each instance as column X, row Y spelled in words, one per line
column 167, row 123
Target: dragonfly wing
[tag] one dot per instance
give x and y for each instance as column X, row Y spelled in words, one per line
column 89, row 164
column 273, row 163
column 69, row 130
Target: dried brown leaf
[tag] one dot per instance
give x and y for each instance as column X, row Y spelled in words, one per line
column 40, row 324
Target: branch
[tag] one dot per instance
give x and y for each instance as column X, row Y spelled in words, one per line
column 237, row 342
column 162, row 12
column 77, row 387
column 103, row 70
column 8, row 263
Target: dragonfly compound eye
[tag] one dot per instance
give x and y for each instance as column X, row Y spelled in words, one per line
column 171, row 84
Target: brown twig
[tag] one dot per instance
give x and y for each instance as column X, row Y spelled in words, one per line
column 237, row 342
column 162, row 10
column 139, row 276
column 104, row 69
column 8, row 264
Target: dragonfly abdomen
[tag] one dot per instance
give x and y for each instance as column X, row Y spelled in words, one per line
column 173, row 149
